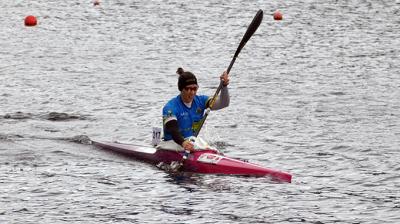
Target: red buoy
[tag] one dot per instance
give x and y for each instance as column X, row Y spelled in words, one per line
column 277, row 15
column 30, row 21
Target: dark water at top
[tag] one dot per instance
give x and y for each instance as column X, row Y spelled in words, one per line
column 316, row 94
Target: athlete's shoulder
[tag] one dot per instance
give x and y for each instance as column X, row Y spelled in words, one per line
column 173, row 102
column 201, row 99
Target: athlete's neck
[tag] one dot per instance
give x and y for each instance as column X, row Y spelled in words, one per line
column 189, row 105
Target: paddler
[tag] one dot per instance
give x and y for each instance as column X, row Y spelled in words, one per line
column 183, row 113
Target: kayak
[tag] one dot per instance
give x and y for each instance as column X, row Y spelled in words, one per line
column 206, row 160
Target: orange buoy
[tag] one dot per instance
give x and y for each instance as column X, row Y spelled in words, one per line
column 30, row 21
column 277, row 15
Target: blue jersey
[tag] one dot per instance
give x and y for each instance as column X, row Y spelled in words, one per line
column 188, row 118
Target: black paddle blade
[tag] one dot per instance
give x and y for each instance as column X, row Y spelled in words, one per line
column 249, row 32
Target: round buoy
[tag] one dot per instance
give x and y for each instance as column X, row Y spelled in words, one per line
column 96, row 2
column 30, row 21
column 277, row 15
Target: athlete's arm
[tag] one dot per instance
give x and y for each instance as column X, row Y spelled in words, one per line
column 172, row 127
column 222, row 100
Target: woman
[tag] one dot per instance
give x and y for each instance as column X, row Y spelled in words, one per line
column 183, row 113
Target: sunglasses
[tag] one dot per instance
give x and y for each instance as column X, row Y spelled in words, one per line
column 191, row 88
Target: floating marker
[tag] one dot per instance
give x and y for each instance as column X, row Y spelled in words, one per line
column 30, row 20
column 277, row 15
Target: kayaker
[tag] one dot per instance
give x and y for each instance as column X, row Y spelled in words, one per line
column 183, row 113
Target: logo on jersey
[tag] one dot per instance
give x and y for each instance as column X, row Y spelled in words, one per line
column 169, row 113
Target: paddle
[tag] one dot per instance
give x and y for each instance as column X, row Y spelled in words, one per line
column 250, row 31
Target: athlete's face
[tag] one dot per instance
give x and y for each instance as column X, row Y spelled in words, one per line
column 189, row 92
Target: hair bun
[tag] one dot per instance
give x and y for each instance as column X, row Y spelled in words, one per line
column 180, row 71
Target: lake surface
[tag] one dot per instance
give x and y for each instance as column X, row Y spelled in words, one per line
column 316, row 94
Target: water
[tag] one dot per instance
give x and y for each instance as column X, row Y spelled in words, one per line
column 316, row 94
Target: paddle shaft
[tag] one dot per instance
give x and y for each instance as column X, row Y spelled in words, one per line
column 249, row 32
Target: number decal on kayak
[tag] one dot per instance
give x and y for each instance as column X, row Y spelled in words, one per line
column 156, row 136
column 209, row 158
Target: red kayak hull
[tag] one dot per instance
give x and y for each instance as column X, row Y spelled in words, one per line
column 204, row 161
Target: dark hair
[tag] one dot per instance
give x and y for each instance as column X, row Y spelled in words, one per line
column 180, row 71
column 185, row 78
